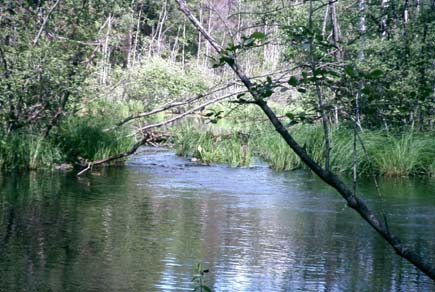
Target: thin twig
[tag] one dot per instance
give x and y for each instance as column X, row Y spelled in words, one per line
column 191, row 111
column 41, row 29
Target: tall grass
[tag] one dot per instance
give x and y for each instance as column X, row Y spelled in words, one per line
column 20, row 150
column 84, row 138
column 76, row 139
column 400, row 154
column 232, row 149
column 406, row 154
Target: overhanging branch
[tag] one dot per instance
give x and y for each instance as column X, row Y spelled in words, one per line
column 144, row 130
column 331, row 179
column 169, row 106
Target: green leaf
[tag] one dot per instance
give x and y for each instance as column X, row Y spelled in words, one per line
column 290, row 116
column 318, row 72
column 257, row 35
column 228, row 60
column 376, row 73
column 365, row 90
column 302, row 89
column 266, row 92
column 293, row 81
column 349, row 70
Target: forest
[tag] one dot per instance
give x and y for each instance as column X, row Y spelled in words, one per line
column 344, row 88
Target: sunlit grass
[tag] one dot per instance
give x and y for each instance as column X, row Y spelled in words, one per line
column 400, row 154
column 21, row 150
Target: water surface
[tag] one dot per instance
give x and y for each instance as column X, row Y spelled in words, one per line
column 143, row 227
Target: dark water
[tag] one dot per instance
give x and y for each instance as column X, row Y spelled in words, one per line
column 144, row 227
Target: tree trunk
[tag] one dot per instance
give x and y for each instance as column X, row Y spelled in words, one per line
column 136, row 39
column 384, row 18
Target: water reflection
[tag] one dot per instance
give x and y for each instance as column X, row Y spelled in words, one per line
column 143, row 228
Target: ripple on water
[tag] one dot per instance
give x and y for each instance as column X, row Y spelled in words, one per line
column 144, row 227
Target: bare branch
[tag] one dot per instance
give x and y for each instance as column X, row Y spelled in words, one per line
column 191, row 111
column 133, row 149
column 168, row 106
column 115, row 157
column 35, row 41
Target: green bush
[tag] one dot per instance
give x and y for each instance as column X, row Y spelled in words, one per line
column 155, row 81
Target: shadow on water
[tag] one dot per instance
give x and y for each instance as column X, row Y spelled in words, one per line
column 143, row 227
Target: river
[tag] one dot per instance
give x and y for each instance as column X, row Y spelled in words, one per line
column 143, row 227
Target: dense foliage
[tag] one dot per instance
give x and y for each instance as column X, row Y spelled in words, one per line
column 337, row 63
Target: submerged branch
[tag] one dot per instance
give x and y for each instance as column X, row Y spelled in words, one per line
column 131, row 151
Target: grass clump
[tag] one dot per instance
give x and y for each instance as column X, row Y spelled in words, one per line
column 405, row 154
column 85, row 139
column 231, row 149
column 400, row 154
column 75, row 140
column 24, row 151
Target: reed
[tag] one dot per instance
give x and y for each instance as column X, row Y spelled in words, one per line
column 399, row 154
column 84, row 138
column 23, row 151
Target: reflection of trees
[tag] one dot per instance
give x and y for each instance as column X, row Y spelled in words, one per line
column 60, row 231
column 132, row 230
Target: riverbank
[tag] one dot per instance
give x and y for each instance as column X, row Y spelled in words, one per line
column 76, row 140
column 233, row 140
column 407, row 153
column 83, row 139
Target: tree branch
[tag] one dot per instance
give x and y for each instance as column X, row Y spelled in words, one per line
column 331, row 179
column 133, row 149
column 35, row 41
column 191, row 111
column 168, row 106
column 115, row 157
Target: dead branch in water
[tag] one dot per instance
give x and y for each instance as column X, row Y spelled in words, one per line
column 145, row 130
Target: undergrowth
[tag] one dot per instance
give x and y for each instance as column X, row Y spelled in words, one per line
column 396, row 154
column 75, row 140
column 21, row 150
